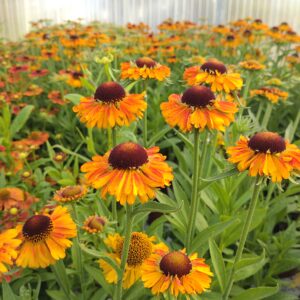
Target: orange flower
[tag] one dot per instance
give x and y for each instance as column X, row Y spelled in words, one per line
column 213, row 73
column 144, row 68
column 175, row 272
column 129, row 171
column 271, row 94
column 266, row 154
column 110, row 107
column 198, row 108
column 15, row 197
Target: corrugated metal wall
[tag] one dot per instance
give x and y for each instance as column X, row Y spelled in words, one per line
column 15, row 15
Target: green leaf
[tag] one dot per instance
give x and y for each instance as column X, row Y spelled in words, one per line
column 218, row 263
column 159, row 135
column 7, row 292
column 103, row 256
column 20, row 120
column 155, row 207
column 247, row 267
column 97, row 274
column 212, row 231
column 223, row 175
column 130, row 86
column 74, row 98
column 257, row 293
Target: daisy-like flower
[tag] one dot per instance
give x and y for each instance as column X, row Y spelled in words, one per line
column 175, row 272
column 197, row 107
column 252, row 65
column 94, row 224
column 110, row 107
column 70, row 193
column 141, row 247
column 129, row 171
column 11, row 197
column 143, row 68
column 215, row 74
column 8, row 248
column 45, row 238
column 270, row 93
column 266, row 154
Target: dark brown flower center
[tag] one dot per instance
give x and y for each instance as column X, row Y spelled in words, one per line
column 70, row 191
column 110, row 92
column 199, row 96
column 140, row 248
column 230, row 38
column 267, row 142
column 77, row 75
column 127, row 155
column 258, row 21
column 175, row 263
column 275, row 29
column 214, row 66
column 37, row 228
column 4, row 194
column 247, row 33
column 145, row 62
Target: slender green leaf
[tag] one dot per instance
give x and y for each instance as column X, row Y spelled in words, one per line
column 74, row 98
column 218, row 263
column 21, row 119
column 257, row 293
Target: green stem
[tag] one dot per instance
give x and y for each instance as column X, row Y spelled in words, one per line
column 78, row 254
column 194, row 199
column 260, row 108
column 107, row 73
column 109, row 139
column 91, row 144
column 145, row 125
column 267, row 115
column 243, row 237
column 295, row 125
column 125, row 250
column 114, row 202
column 245, row 93
column 61, row 276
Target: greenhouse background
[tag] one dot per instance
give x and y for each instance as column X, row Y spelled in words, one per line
column 16, row 15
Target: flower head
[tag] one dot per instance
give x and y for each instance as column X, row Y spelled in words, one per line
column 141, row 247
column 70, row 193
column 270, row 93
column 197, row 107
column 129, row 171
column 110, row 107
column 94, row 224
column 143, row 68
column 266, row 154
column 175, row 272
column 8, row 248
column 215, row 74
column 252, row 65
column 45, row 238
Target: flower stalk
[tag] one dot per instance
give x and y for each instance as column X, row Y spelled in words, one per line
column 125, row 250
column 244, row 234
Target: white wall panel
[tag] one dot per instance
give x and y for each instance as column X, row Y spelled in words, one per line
column 15, row 15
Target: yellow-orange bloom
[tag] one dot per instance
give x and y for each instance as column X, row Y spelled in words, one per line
column 70, row 193
column 266, row 154
column 175, row 272
column 198, row 108
column 8, row 248
column 271, row 94
column 141, row 247
column 45, row 238
column 110, row 107
column 144, row 68
column 253, row 65
column 213, row 73
column 129, row 171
